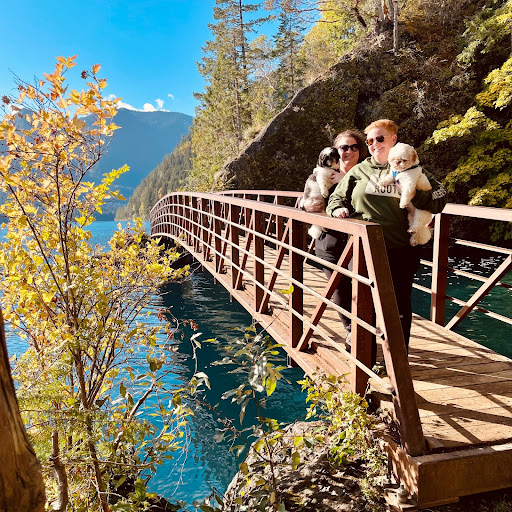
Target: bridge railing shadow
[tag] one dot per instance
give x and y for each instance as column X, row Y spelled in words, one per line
column 255, row 245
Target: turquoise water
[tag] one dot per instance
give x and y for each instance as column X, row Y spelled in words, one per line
column 209, row 464
column 476, row 326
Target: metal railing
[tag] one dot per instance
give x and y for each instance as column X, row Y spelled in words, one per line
column 441, row 269
column 254, row 246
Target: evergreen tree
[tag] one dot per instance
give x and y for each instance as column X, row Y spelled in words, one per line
column 290, row 70
column 168, row 176
column 224, row 112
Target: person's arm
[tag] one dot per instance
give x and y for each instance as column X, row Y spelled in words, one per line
column 431, row 200
column 339, row 200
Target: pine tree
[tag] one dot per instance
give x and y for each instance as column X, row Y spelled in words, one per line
column 287, row 42
column 224, row 112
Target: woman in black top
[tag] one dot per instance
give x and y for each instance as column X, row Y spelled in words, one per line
column 329, row 246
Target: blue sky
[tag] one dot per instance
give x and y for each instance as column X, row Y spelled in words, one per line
column 147, row 48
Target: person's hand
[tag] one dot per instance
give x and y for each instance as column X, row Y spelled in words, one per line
column 336, row 177
column 340, row 213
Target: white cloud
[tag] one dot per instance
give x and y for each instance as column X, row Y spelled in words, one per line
column 147, row 107
column 122, row 104
column 171, row 96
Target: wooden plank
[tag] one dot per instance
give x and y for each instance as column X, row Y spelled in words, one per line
column 440, row 478
column 461, row 371
column 492, row 389
column 461, row 406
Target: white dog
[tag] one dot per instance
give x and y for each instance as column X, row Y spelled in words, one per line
column 318, row 184
column 406, row 171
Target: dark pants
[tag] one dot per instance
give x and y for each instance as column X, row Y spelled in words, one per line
column 404, row 264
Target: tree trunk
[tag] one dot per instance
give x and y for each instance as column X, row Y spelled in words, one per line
column 395, row 27
column 21, row 480
column 59, row 472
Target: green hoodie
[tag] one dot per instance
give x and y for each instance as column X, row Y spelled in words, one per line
column 360, row 192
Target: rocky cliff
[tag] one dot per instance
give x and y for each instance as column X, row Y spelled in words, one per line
column 418, row 87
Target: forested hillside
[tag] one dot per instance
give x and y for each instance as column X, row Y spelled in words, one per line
column 141, row 141
column 168, row 176
column 449, row 67
column 440, row 68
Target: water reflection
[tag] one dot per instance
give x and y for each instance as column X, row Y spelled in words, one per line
column 209, row 464
column 476, row 326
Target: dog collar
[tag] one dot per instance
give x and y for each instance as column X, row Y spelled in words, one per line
column 394, row 173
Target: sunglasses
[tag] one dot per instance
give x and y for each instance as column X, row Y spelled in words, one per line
column 379, row 138
column 346, row 147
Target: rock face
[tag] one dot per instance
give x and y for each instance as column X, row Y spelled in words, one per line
column 417, row 88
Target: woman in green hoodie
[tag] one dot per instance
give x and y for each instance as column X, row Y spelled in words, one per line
column 360, row 196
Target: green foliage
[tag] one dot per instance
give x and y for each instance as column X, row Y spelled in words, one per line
column 347, row 430
column 350, row 432
column 487, row 30
column 483, row 176
column 78, row 306
column 168, row 176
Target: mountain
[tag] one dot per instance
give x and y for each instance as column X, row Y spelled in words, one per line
column 141, row 143
column 168, row 176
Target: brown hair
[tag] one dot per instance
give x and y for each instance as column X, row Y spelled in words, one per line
column 360, row 138
column 387, row 124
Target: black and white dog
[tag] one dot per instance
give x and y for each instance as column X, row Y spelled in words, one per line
column 318, row 184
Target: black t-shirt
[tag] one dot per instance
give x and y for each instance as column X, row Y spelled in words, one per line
column 330, row 244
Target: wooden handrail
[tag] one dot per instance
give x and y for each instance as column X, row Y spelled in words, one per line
column 236, row 234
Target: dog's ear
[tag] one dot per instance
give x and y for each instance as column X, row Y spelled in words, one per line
column 326, row 157
column 414, row 156
column 334, row 155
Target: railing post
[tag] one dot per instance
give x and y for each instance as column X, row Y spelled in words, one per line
column 178, row 216
column 362, row 342
column 205, row 222
column 393, row 344
column 234, row 216
column 217, row 229
column 279, row 220
column 298, row 241
column 258, row 252
column 195, row 228
column 188, row 219
column 439, row 268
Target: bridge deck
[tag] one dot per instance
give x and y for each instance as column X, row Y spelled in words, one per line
column 463, row 389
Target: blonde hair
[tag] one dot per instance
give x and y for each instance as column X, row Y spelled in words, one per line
column 387, row 124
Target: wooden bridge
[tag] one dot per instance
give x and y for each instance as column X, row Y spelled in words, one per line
column 450, row 398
